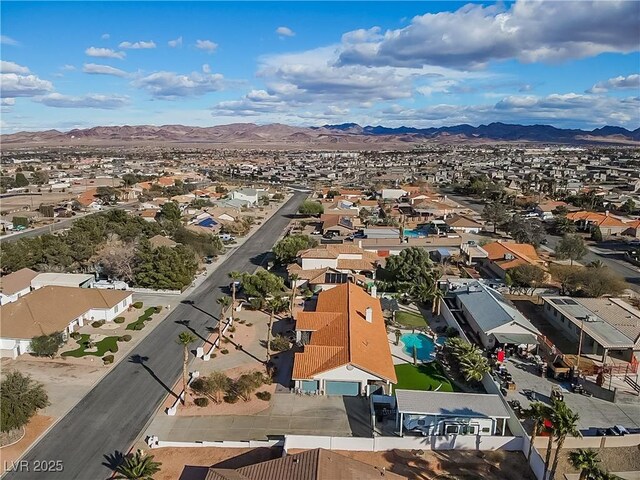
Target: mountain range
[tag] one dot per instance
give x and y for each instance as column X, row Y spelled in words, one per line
column 347, row 135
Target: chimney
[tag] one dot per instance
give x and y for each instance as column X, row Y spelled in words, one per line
column 606, row 213
column 368, row 314
column 359, row 243
column 374, row 291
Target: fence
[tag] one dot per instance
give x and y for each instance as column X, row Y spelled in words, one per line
column 154, row 442
column 382, row 444
column 151, row 291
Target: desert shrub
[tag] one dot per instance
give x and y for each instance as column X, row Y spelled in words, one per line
column 108, row 359
column 138, row 326
column 266, row 396
column 249, row 324
column 119, row 319
column 225, row 340
column 199, row 386
column 137, row 304
column 125, row 338
column 158, row 309
column 232, row 329
column 242, row 321
column 224, row 351
column 75, row 335
column 201, row 402
column 97, row 324
column 231, row 397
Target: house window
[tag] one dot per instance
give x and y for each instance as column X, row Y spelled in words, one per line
column 115, row 309
column 486, row 430
column 451, row 429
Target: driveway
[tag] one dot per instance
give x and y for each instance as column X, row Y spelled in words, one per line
column 288, row 414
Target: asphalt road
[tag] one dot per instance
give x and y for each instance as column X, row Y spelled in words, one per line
column 54, row 227
column 112, row 416
column 607, row 254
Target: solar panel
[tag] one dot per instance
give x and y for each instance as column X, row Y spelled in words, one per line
column 568, row 301
column 558, row 301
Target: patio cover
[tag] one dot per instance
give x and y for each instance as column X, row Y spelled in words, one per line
column 516, row 338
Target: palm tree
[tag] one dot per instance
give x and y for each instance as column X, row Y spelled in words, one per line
column 436, row 297
column 602, row 475
column 537, row 412
column 585, row 460
column 274, row 305
column 293, row 278
column 137, row 466
column 224, row 303
column 185, row 339
column 565, row 422
column 234, row 275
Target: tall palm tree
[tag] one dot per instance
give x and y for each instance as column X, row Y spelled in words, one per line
column 293, row 278
column 234, row 275
column 137, row 466
column 224, row 303
column 185, row 339
column 436, row 297
column 585, row 460
column 274, row 305
column 565, row 422
column 537, row 412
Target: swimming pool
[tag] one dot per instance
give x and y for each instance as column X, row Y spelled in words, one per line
column 424, row 345
column 415, row 233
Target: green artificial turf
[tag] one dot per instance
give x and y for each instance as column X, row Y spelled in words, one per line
column 139, row 323
column 410, row 320
column 426, row 376
column 108, row 344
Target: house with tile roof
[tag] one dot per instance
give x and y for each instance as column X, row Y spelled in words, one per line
column 316, row 464
column 608, row 224
column 54, row 309
column 346, row 349
column 460, row 223
column 345, row 258
column 503, row 256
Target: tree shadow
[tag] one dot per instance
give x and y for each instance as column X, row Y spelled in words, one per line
column 236, row 345
column 140, row 360
column 192, row 304
column 113, row 460
column 185, row 323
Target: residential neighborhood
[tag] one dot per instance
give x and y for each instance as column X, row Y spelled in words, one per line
column 320, row 240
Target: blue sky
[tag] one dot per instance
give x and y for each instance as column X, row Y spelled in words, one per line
column 73, row 65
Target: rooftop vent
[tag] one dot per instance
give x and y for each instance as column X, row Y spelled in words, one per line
column 368, row 314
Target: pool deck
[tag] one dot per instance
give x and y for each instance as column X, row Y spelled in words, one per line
column 397, row 353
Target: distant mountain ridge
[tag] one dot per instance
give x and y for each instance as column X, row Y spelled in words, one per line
column 494, row 131
column 348, row 135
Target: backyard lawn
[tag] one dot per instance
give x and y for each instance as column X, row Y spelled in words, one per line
column 109, row 344
column 427, row 376
column 411, row 320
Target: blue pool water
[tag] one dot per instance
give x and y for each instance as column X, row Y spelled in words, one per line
column 414, row 233
column 424, row 345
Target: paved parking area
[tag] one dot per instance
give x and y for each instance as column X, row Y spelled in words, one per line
column 593, row 411
column 288, row 414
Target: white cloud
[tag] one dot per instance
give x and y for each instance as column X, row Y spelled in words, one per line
column 540, row 31
column 96, row 69
column 206, row 68
column 170, row 85
column 5, row 40
column 617, row 83
column 177, row 43
column 11, row 67
column 107, row 102
column 137, row 45
column 104, row 53
column 285, row 32
column 68, row 68
column 105, row 36
column 14, row 85
column 206, row 45
column 7, row 102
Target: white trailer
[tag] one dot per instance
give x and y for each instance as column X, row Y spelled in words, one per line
column 428, row 425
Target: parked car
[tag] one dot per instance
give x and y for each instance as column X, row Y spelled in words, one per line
column 316, row 232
